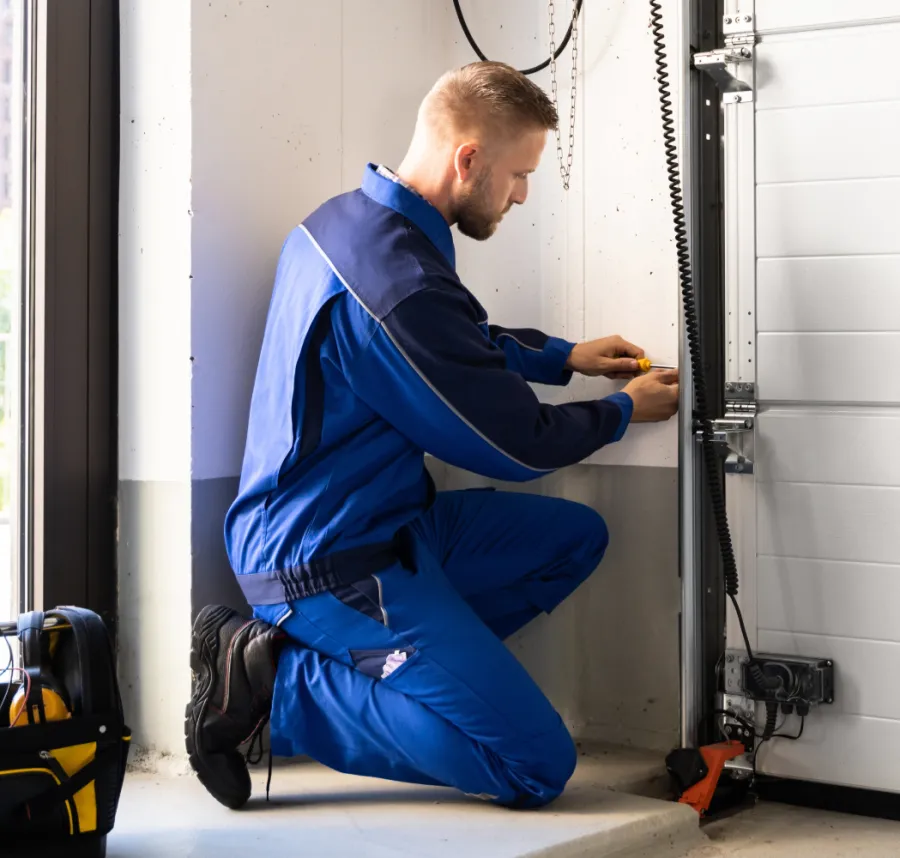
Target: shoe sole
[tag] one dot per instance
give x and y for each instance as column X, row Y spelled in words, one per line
column 204, row 652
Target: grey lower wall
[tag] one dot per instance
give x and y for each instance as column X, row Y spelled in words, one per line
column 607, row 658
column 213, row 579
column 627, row 616
column 172, row 561
column 154, row 559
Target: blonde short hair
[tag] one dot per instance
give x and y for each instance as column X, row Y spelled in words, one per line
column 492, row 95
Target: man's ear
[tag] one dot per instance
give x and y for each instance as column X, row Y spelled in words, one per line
column 464, row 160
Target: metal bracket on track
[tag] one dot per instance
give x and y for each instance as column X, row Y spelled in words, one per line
column 739, row 419
column 739, row 23
column 722, row 64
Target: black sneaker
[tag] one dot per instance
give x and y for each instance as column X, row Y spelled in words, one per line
column 233, row 662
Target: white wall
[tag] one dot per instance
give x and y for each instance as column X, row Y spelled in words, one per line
column 599, row 259
column 291, row 100
column 155, row 368
column 265, row 110
column 333, row 86
column 238, row 118
column 155, row 242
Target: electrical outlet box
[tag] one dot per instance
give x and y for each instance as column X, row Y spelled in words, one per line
column 802, row 681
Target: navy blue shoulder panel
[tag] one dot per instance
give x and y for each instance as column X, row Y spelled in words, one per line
column 381, row 256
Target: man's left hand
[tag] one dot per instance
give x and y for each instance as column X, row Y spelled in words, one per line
column 609, row 356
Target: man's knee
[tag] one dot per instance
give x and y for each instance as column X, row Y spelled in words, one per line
column 590, row 537
column 560, row 757
column 547, row 767
column 581, row 538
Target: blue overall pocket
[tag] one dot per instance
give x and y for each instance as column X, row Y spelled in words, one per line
column 381, row 663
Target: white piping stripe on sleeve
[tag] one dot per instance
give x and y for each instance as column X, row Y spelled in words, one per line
column 440, row 396
column 516, row 340
column 417, row 371
column 337, row 273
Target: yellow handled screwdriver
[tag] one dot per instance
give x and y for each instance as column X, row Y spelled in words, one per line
column 645, row 365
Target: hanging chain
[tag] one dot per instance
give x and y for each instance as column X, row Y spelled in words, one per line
column 565, row 163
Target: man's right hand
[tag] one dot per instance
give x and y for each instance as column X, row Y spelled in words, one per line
column 655, row 396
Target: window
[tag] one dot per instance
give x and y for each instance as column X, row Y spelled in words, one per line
column 12, row 282
column 57, row 323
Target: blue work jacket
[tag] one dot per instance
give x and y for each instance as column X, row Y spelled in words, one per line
column 374, row 354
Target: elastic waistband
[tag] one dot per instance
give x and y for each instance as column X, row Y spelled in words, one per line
column 318, row 575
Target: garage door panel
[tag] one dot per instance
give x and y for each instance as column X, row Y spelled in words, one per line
column 809, row 69
column 828, row 218
column 825, row 522
column 819, row 539
column 829, row 368
column 837, row 749
column 864, row 669
column 813, row 445
column 848, row 141
column 843, row 293
column 785, row 14
column 818, row 597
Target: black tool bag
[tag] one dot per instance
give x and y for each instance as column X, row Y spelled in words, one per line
column 63, row 739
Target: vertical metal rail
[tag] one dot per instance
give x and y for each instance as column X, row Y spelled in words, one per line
column 703, row 596
column 689, row 460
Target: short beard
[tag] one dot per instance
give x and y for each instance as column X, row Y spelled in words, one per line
column 470, row 210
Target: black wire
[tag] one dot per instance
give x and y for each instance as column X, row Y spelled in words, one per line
column 777, row 736
column 792, row 738
column 701, row 409
column 534, row 69
column 749, row 725
column 771, row 720
column 728, row 713
column 745, row 722
column 701, row 399
column 9, row 668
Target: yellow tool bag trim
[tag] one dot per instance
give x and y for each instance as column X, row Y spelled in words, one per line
column 5, row 773
column 80, row 757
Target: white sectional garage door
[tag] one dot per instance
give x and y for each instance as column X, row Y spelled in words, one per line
column 817, row 294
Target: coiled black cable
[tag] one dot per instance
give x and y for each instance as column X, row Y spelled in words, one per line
column 702, row 418
column 771, row 720
column 533, row 69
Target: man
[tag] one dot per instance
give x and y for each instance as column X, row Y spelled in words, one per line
column 380, row 607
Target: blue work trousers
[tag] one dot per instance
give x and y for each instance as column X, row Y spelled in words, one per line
column 405, row 675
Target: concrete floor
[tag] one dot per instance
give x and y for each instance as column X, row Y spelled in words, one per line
column 770, row 830
column 320, row 814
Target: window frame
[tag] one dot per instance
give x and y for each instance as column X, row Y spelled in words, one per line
column 70, row 309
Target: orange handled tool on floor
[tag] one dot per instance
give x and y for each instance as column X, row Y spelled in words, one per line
column 696, row 771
